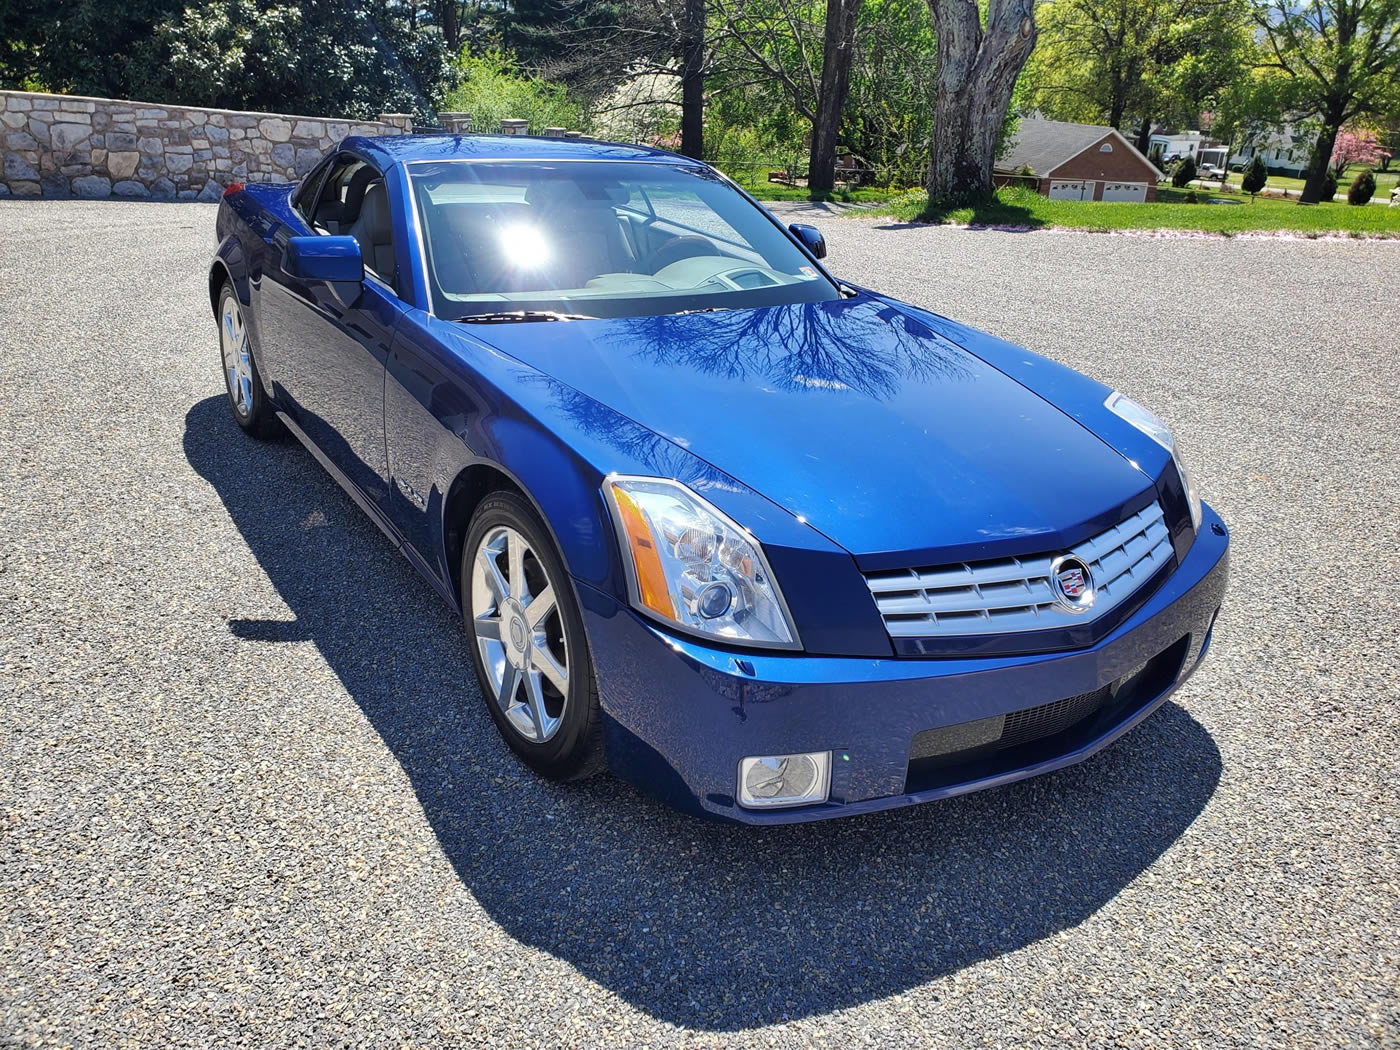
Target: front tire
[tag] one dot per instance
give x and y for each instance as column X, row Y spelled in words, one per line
column 241, row 378
column 526, row 637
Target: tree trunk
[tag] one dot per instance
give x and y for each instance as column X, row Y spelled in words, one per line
column 451, row 25
column 1321, row 159
column 837, row 52
column 693, row 80
column 1144, row 136
column 977, row 69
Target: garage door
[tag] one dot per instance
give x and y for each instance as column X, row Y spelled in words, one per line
column 1125, row 191
column 1071, row 190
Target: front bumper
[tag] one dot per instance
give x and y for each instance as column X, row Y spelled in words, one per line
column 679, row 714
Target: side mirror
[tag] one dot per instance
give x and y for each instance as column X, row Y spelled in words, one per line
column 333, row 259
column 811, row 238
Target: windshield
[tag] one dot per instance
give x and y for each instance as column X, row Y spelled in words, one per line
column 600, row 239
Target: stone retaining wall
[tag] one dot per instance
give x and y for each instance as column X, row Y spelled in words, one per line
column 67, row 146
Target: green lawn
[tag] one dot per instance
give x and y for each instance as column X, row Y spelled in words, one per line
column 1022, row 208
column 772, row 191
column 1385, row 182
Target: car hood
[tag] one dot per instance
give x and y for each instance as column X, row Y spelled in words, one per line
column 857, row 417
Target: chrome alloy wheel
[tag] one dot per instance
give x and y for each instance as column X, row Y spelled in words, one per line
column 238, row 366
column 520, row 634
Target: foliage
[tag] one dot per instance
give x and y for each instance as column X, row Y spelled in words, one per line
column 1025, row 209
column 1107, row 61
column 1355, row 146
column 1329, row 185
column 335, row 57
column 1363, row 187
column 491, row 87
column 1184, row 171
column 1255, row 177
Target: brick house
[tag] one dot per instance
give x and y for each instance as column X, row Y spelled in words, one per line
column 1078, row 162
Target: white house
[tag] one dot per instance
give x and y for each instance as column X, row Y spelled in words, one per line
column 1285, row 149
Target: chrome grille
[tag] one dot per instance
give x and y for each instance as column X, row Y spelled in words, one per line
column 1014, row 594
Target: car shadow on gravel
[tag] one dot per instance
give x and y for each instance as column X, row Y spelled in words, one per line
column 702, row 925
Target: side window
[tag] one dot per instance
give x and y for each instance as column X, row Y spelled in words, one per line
column 304, row 200
column 354, row 202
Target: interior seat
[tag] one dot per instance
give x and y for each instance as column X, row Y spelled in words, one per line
column 372, row 228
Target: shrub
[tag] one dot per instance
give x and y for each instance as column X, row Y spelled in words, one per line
column 1255, row 177
column 1329, row 188
column 493, row 88
column 1363, row 187
column 1185, row 172
column 1191, row 198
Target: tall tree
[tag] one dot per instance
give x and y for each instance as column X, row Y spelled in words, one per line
column 838, row 50
column 977, row 69
column 1138, row 60
column 1342, row 58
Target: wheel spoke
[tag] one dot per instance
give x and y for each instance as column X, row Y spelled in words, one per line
column 515, row 557
column 488, row 628
column 510, row 685
column 541, row 605
column 552, row 669
column 538, row 715
column 486, row 561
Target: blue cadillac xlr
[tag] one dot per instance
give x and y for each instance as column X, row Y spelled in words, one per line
column 770, row 545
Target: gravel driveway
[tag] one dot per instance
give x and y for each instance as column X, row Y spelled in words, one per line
column 248, row 796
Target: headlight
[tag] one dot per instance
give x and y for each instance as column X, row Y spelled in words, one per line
column 1126, row 408
column 688, row 564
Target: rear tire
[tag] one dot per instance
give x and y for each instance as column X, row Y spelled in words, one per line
column 246, row 397
column 527, row 642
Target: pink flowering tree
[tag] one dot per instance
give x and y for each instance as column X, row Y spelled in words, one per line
column 1355, row 146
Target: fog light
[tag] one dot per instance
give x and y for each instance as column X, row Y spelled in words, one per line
column 770, row 781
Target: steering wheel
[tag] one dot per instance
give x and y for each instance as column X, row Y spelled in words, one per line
column 673, row 251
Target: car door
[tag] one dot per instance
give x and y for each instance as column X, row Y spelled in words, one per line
column 328, row 348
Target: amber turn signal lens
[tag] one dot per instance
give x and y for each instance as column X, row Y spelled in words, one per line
column 651, row 578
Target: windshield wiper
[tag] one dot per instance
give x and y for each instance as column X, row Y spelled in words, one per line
column 511, row 316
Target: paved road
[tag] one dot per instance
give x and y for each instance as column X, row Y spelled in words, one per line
column 248, row 797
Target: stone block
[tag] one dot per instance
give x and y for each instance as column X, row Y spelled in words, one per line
column 130, row 188
column 176, row 163
column 19, row 105
column 92, row 186
column 240, row 171
column 284, row 155
column 17, row 166
column 66, row 136
column 99, row 159
column 238, row 134
column 121, row 140
column 25, row 189
column 216, row 134
column 20, row 140
column 40, row 132
column 309, row 129
column 274, row 129
column 148, row 144
column 337, row 131
column 14, row 120
column 307, row 159
column 217, row 120
column 54, row 185
column 4, row 190
column 98, row 141
column 196, row 116
column 211, row 192
column 188, row 195
column 122, row 165
column 176, row 137
column 163, row 189
column 220, row 152
column 151, row 114
column 101, row 119
column 73, row 105
column 203, row 154
column 44, row 103
column 188, row 150
column 240, row 121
